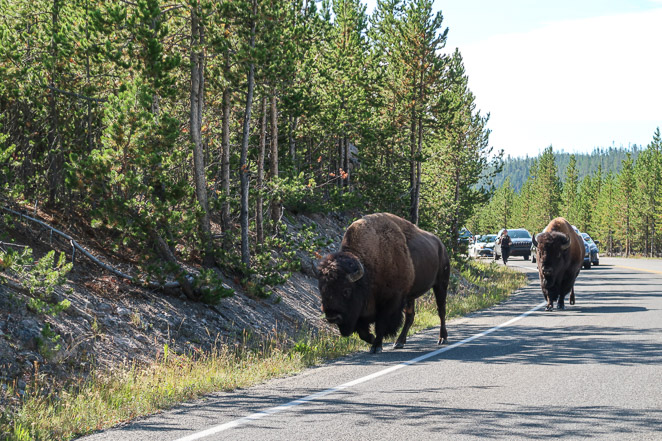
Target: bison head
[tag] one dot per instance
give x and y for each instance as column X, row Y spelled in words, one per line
column 343, row 290
column 553, row 258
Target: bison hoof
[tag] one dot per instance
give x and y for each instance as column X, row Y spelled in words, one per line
column 560, row 306
column 442, row 341
column 376, row 350
column 572, row 301
column 398, row 345
column 549, row 307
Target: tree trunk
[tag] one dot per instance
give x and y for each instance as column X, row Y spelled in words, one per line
column 55, row 159
column 346, row 166
column 341, row 161
column 225, row 160
column 243, row 166
column 292, row 139
column 419, row 150
column 259, row 217
column 197, row 103
column 413, row 197
column 89, row 137
column 275, row 203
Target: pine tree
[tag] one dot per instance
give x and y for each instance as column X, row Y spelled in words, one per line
column 545, row 192
column 570, row 206
column 606, row 213
column 626, row 201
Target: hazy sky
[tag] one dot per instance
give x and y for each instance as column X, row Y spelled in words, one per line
column 574, row 74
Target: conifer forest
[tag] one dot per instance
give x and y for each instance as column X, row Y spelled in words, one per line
column 184, row 132
column 620, row 206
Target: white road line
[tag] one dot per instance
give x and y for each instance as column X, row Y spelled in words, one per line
column 533, row 270
column 258, row 415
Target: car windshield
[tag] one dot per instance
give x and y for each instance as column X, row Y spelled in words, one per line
column 587, row 238
column 519, row 234
column 488, row 238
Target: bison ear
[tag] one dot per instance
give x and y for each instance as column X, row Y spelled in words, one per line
column 534, row 239
column 356, row 275
column 566, row 242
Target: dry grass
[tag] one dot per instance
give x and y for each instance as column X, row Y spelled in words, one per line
column 105, row 400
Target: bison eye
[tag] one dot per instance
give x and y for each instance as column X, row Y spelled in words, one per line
column 347, row 292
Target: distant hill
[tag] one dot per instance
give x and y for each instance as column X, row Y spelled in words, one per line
column 587, row 163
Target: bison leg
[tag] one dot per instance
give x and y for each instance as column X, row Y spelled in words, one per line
column 376, row 347
column 572, row 296
column 384, row 324
column 550, row 304
column 440, row 291
column 379, row 336
column 561, row 303
column 363, row 329
column 410, row 312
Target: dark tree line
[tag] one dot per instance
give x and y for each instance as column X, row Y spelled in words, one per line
column 516, row 170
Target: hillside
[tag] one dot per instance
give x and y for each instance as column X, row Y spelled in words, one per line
column 609, row 160
column 112, row 323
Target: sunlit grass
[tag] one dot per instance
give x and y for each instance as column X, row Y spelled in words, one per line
column 485, row 285
column 104, row 400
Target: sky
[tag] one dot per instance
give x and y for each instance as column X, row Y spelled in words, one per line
column 573, row 74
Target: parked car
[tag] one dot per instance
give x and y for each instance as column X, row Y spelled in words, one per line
column 483, row 246
column 594, row 252
column 521, row 245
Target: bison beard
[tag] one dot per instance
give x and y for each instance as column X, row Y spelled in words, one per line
column 384, row 264
column 560, row 257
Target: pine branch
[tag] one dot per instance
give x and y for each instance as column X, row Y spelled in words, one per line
column 76, row 246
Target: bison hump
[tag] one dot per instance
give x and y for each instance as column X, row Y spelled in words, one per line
column 381, row 245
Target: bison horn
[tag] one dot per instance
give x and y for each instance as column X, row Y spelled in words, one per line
column 566, row 243
column 534, row 239
column 356, row 275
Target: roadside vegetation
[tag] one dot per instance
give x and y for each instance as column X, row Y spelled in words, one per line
column 619, row 206
column 105, row 399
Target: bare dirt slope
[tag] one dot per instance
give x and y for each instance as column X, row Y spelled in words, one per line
column 111, row 322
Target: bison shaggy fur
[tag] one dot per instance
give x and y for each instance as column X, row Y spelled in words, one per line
column 560, row 258
column 383, row 265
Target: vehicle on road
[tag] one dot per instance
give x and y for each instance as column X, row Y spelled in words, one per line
column 594, row 252
column 483, row 246
column 587, row 256
column 521, row 245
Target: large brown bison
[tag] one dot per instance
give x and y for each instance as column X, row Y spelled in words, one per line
column 560, row 257
column 383, row 265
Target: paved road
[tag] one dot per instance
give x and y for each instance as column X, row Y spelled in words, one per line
column 592, row 371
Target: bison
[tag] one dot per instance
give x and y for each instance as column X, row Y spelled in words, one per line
column 560, row 257
column 383, row 265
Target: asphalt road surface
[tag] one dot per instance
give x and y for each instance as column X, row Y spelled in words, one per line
column 591, row 371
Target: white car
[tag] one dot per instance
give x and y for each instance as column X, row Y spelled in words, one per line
column 483, row 246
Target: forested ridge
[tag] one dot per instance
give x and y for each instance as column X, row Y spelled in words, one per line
column 620, row 206
column 607, row 159
column 185, row 131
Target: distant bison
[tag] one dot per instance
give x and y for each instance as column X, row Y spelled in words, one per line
column 560, row 257
column 383, row 265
